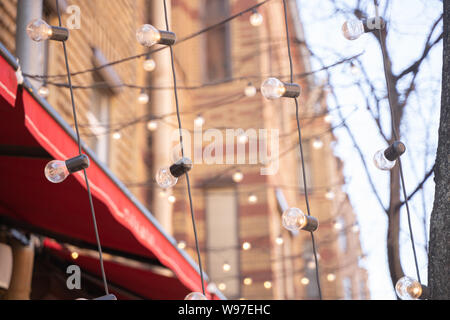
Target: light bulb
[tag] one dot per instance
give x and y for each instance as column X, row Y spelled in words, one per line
column 195, row 296
column 279, row 240
column 38, row 30
column 355, row 228
column 353, row 29
column 329, row 195
column 272, row 88
column 152, row 125
column 171, row 199
column 74, row 255
column 222, row 286
column 331, row 277
column 43, row 92
column 246, row 246
column 149, row 64
column 242, row 138
column 56, row 171
column 250, row 90
column 311, row 264
column 165, row 179
column 248, row 281
column 199, row 121
column 267, row 284
column 385, row 159
column 143, row 98
column 338, row 225
column 181, row 245
column 226, row 267
column 117, row 135
column 252, row 198
column 328, row 118
column 408, row 289
column 293, row 219
column 238, row 176
column 317, row 143
column 256, row 19
column 304, row 281
column 147, row 35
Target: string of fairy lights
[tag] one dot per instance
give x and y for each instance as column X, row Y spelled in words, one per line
column 272, row 88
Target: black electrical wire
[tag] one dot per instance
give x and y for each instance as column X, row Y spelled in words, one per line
column 291, row 68
column 182, row 152
column 396, row 137
column 91, row 204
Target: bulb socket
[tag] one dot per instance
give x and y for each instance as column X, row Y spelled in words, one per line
column 292, row 90
column 77, row 163
column 167, row 38
column 394, row 151
column 311, row 224
column 180, row 167
column 374, row 23
column 59, row 34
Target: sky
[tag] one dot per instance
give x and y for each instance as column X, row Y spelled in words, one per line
column 409, row 22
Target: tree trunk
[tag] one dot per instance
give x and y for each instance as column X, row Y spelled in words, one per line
column 439, row 254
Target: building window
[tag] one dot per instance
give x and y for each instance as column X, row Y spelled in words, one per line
column 347, row 286
column 308, row 169
column 217, row 41
column 342, row 234
column 222, row 239
column 98, row 118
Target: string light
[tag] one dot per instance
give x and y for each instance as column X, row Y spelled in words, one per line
column 57, row 171
column 226, row 267
column 279, row 240
column 195, row 296
column 409, row 289
column 167, row 177
column 147, row 35
column 117, row 135
column 246, row 246
column 311, row 264
column 250, row 90
column 272, row 88
column 252, row 199
column 152, row 125
column 338, row 225
column 331, row 277
column 256, row 19
column 149, row 64
column 44, row 91
column 294, row 219
column 248, row 281
column 317, row 143
column 386, row 159
column 238, row 176
column 74, row 255
column 267, row 284
column 355, row 228
column 242, row 138
column 181, row 245
column 199, row 121
column 304, row 281
column 328, row 118
column 143, row 97
column 39, row 30
column 222, row 286
column 329, row 195
column 171, row 199
column 353, row 29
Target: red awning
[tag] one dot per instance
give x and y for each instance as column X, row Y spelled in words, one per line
column 32, row 133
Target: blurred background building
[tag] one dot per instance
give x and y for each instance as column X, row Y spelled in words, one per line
column 245, row 250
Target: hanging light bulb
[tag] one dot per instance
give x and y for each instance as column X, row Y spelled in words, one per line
column 243, row 138
column 44, row 91
column 294, row 219
column 311, row 264
column 246, row 246
column 248, row 281
column 199, row 121
column 152, row 125
column 74, row 255
column 338, row 225
column 39, row 30
column 238, row 176
column 317, row 143
column 149, row 64
column 195, row 296
column 256, row 19
column 328, row 118
column 117, row 135
column 353, row 28
column 171, row 199
column 272, row 88
column 143, row 97
column 167, row 177
column 147, row 35
column 331, row 277
column 250, row 90
column 222, row 286
column 226, row 267
column 181, row 245
column 252, row 198
column 409, row 289
column 329, row 195
column 267, row 284
column 279, row 240
column 57, row 171
column 304, row 281
column 386, row 159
